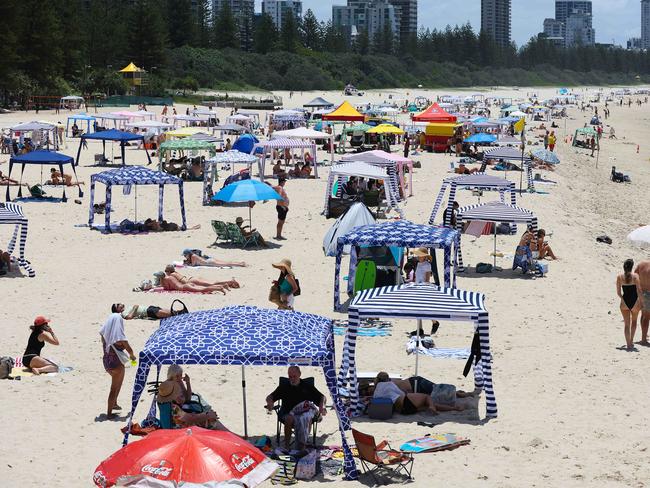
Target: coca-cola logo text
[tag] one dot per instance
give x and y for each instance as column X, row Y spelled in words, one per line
column 242, row 462
column 160, row 470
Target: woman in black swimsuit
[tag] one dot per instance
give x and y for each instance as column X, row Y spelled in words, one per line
column 41, row 333
column 628, row 288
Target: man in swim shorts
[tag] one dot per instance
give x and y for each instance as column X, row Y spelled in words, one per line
column 643, row 270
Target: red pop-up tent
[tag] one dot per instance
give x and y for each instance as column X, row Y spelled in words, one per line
column 434, row 113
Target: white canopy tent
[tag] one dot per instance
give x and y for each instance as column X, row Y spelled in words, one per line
column 280, row 144
column 382, row 158
column 305, row 133
column 42, row 134
column 357, row 215
column 119, row 121
column 71, row 102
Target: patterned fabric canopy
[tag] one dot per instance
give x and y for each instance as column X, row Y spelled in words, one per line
column 233, row 156
column 12, row 213
column 245, row 335
column 266, row 148
column 133, row 175
column 423, row 302
column 382, row 158
column 508, row 153
column 399, row 233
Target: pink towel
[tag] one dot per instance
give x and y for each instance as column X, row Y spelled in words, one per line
column 478, row 228
column 160, row 289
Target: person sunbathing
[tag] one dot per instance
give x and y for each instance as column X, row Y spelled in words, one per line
column 278, row 170
column 170, row 392
column 464, row 170
column 305, row 171
column 404, row 403
column 5, row 180
column 5, row 262
column 171, row 283
column 192, row 258
column 170, row 271
column 145, row 312
column 58, row 178
column 295, row 172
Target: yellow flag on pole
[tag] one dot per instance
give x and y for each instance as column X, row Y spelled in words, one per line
column 519, row 126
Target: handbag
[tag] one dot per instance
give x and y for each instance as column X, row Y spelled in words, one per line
column 298, row 291
column 122, row 355
column 178, row 312
column 274, row 294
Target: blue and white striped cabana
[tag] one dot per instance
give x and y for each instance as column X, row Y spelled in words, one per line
column 512, row 154
column 493, row 212
column 421, row 301
column 398, row 233
column 12, row 214
column 476, row 181
column 128, row 176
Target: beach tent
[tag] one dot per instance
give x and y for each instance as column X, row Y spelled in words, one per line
column 113, row 135
column 318, row 102
column 582, row 136
column 88, row 119
column 495, row 212
column 476, row 181
column 481, row 138
column 150, row 125
column 357, row 215
column 229, row 128
column 119, row 121
column 71, row 102
column 12, row 214
column 188, row 144
column 515, row 155
column 266, row 149
column 129, row 176
column 230, row 158
column 340, row 173
column 245, row 143
column 363, row 128
column 40, row 133
column 184, row 132
column 382, row 158
column 382, row 129
column 305, row 133
column 245, row 336
column 397, row 233
column 422, row 301
column 345, row 113
column 434, row 113
column 42, row 158
column 203, row 137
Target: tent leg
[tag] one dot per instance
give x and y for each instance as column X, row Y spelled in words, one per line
column 243, row 386
column 417, row 356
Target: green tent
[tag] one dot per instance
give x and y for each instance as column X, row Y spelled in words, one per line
column 357, row 128
column 182, row 145
column 582, row 134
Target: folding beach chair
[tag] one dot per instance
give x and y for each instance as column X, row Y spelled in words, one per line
column 220, row 230
column 384, row 459
column 237, row 238
column 278, row 406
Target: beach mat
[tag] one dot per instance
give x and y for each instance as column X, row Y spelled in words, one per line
column 368, row 328
column 436, row 352
column 160, row 289
column 181, row 264
column 20, row 372
column 434, row 443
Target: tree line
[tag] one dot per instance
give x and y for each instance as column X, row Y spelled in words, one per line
column 65, row 46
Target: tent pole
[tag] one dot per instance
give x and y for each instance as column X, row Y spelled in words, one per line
column 243, row 386
column 494, row 224
column 250, row 218
column 417, row 356
column 136, row 203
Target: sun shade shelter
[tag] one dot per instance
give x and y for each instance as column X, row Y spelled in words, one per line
column 422, row 301
column 266, row 149
column 127, row 177
column 305, row 133
column 114, row 135
column 245, row 336
column 318, row 102
column 230, row 158
column 42, row 133
column 42, row 158
column 582, row 136
column 118, row 120
column 12, row 214
column 81, row 118
column 382, row 158
column 495, row 212
column 512, row 154
column 476, row 181
column 345, row 113
column 183, row 145
column 398, row 233
column 340, row 173
column 434, row 113
column 357, row 215
column 71, row 101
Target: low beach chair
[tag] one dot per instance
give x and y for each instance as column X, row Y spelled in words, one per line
column 278, row 406
column 237, row 238
column 384, row 459
column 220, row 230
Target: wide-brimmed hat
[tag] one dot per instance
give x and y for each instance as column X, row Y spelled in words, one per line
column 421, row 252
column 284, row 264
column 168, row 391
column 40, row 320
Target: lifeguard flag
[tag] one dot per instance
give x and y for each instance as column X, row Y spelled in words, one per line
column 519, row 126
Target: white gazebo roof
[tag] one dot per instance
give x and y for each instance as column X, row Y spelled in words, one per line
column 302, row 133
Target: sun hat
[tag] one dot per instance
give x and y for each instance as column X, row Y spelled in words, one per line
column 239, row 220
column 284, row 264
column 421, row 252
column 40, row 320
column 168, row 391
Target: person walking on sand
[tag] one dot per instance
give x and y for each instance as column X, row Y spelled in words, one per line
column 628, row 288
column 282, row 207
column 551, row 141
column 643, row 272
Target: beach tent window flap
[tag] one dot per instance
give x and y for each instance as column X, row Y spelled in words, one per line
column 12, row 214
column 133, row 175
column 422, row 302
column 245, row 336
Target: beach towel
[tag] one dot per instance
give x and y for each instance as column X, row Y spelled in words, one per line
column 478, row 228
column 181, row 264
column 303, row 414
column 113, row 330
column 436, row 352
column 160, row 289
column 522, row 261
column 434, row 442
column 368, row 328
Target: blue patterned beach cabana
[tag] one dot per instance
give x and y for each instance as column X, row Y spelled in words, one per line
column 12, row 214
column 245, row 336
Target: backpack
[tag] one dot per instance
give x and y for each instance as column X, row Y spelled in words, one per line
column 6, row 365
column 483, row 268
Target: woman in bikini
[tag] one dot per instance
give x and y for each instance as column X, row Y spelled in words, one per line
column 173, row 280
column 191, row 258
column 628, row 288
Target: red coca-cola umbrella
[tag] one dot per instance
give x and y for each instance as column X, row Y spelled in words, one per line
column 193, row 457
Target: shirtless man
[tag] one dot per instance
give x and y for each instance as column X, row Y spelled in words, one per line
column 57, row 178
column 172, row 283
column 643, row 270
column 170, row 272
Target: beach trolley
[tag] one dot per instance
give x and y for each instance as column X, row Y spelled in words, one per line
column 244, row 336
column 12, row 214
column 422, row 301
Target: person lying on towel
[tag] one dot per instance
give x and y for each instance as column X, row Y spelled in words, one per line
column 194, row 257
column 173, row 281
column 143, row 312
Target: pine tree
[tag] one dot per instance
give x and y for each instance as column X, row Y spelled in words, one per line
column 181, row 24
column 311, row 35
column 226, row 32
column 202, row 24
column 147, row 35
column 289, row 36
column 265, row 35
column 362, row 42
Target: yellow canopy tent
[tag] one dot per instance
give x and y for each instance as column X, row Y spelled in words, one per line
column 345, row 112
column 385, row 129
column 442, row 129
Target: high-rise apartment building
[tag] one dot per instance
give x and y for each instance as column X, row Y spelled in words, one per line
column 565, row 8
column 407, row 12
column 554, row 31
column 373, row 16
column 578, row 30
column 243, row 11
column 495, row 20
column 645, row 24
column 278, row 10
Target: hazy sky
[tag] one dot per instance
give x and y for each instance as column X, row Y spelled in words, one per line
column 613, row 19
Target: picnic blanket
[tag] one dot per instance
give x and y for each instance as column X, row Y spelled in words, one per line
column 434, row 442
column 368, row 328
column 436, row 352
column 160, row 289
column 181, row 264
column 19, row 370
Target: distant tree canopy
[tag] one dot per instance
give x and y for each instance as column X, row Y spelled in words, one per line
column 76, row 44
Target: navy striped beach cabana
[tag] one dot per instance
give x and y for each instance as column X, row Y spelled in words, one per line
column 12, row 214
column 492, row 212
column 398, row 233
column 422, row 301
column 514, row 155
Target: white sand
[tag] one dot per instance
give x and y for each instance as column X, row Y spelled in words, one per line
column 572, row 408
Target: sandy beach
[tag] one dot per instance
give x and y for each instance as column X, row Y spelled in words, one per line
column 572, row 407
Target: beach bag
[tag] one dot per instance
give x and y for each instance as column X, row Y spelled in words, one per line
column 444, row 394
column 306, row 466
column 483, row 268
column 274, row 294
column 36, row 191
column 298, row 291
column 180, row 311
column 122, row 355
column 6, row 365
